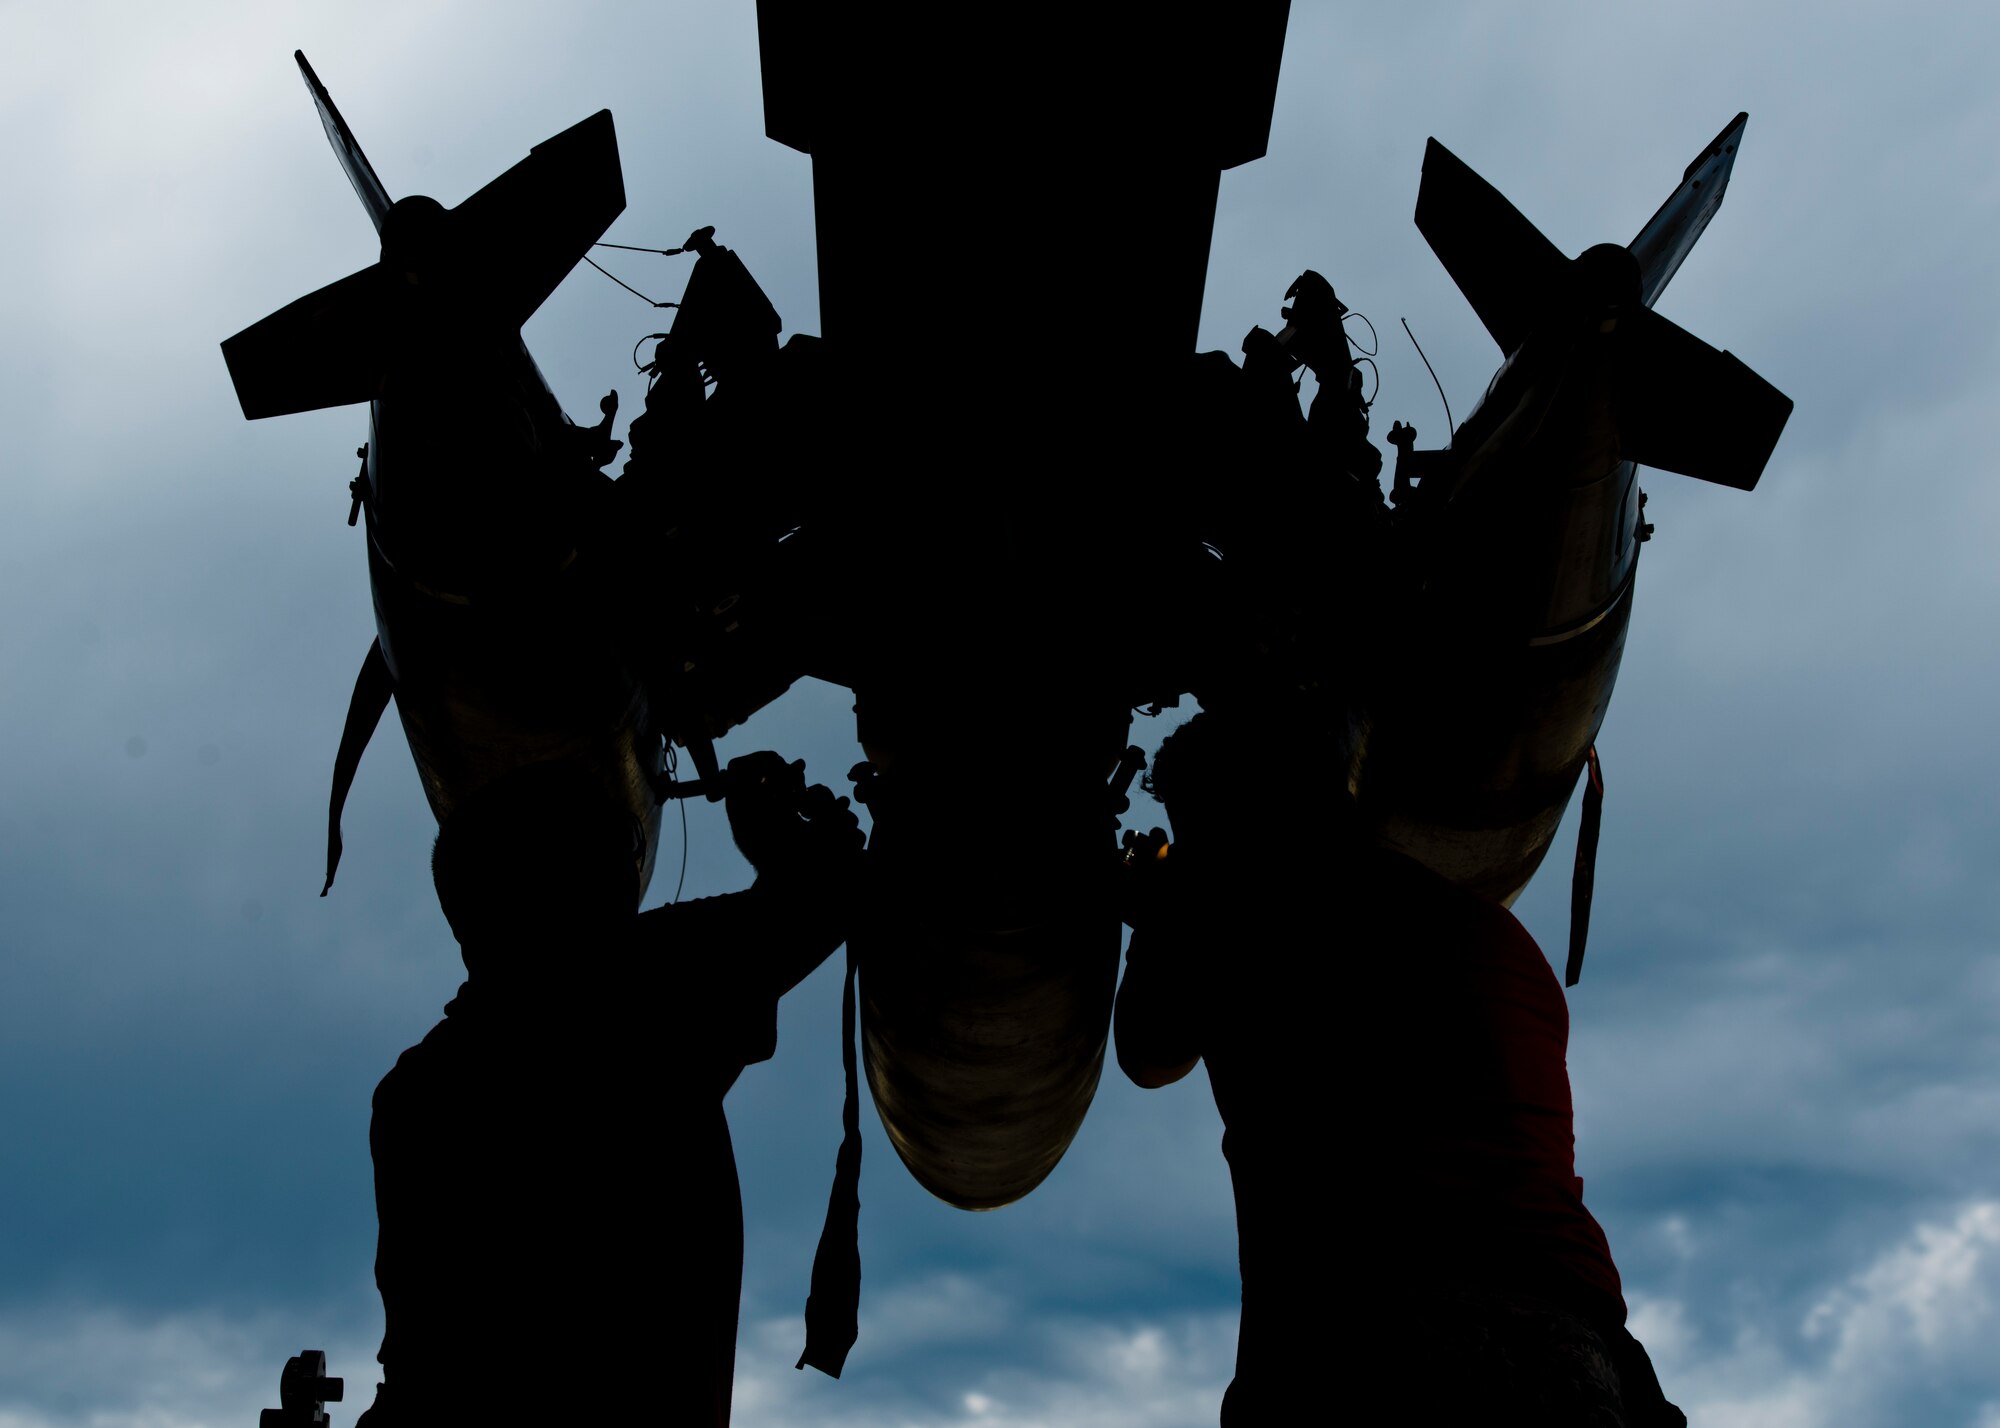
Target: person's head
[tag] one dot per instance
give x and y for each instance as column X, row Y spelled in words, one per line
column 542, row 854
column 1227, row 775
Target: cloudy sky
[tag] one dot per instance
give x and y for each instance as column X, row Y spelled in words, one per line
column 1786, row 1051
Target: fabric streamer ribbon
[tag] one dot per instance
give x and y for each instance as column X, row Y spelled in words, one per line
column 834, row 1305
column 1583, row 883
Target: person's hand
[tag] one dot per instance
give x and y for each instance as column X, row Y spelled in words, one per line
column 783, row 827
column 1143, row 882
column 830, row 837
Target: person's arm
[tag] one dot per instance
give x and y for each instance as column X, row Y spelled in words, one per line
column 1157, row 1025
column 742, row 947
column 806, row 845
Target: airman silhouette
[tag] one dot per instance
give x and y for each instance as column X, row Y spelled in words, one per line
column 560, row 1220
column 1387, row 1054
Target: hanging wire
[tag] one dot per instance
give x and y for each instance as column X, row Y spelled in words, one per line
column 623, row 284
column 637, row 365
column 1369, row 400
column 1365, row 352
column 1433, row 371
column 681, row 881
column 673, row 768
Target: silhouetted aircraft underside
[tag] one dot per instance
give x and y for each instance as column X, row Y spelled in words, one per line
column 1001, row 546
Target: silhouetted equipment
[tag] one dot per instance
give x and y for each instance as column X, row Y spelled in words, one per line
column 603, row 450
column 1523, row 536
column 713, row 786
column 723, row 308
column 1404, row 439
column 304, row 1390
column 1137, row 847
column 1315, row 336
column 511, row 636
column 989, row 537
column 1074, row 164
column 493, row 637
column 925, row 509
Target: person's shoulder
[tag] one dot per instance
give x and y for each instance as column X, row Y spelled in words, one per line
column 422, row 1065
column 1442, row 902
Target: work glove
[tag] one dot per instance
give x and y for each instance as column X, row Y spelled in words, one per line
column 789, row 831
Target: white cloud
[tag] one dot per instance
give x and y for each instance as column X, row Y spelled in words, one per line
column 1914, row 1327
column 101, row 1367
column 1930, row 1295
column 1027, row 1370
column 1903, row 1339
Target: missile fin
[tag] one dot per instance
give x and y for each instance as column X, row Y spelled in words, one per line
column 368, row 188
column 515, row 240
column 1501, row 262
column 1685, row 407
column 531, row 225
column 324, row 350
column 1671, row 232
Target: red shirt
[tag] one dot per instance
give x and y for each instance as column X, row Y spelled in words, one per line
column 1388, row 1055
column 1488, row 1135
